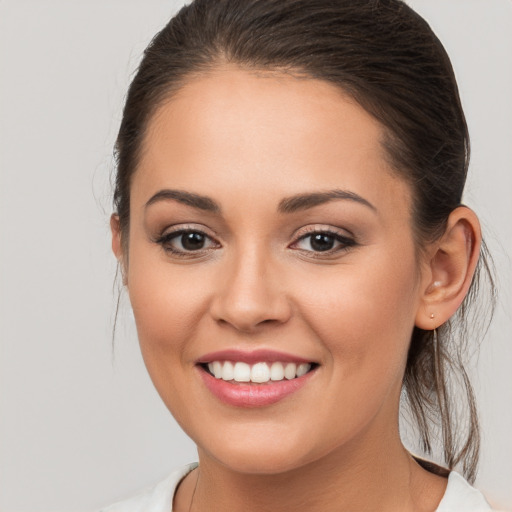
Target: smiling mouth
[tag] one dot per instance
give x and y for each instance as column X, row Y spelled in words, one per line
column 258, row 373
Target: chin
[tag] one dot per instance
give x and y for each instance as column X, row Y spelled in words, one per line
column 269, row 452
column 258, row 462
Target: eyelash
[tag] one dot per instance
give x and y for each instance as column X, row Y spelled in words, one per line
column 345, row 242
column 165, row 240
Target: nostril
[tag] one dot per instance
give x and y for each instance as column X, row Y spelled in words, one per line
column 247, row 303
column 247, row 321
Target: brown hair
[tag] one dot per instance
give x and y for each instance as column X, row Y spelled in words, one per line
column 388, row 59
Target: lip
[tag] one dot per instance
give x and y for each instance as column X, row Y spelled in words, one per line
column 252, row 395
column 252, row 357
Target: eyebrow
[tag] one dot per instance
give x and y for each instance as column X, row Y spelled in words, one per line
column 291, row 204
column 190, row 199
column 301, row 202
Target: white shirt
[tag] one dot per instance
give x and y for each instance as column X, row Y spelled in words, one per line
column 459, row 496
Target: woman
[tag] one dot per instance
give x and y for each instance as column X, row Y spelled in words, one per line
column 289, row 225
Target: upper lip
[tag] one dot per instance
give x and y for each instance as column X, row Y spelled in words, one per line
column 251, row 357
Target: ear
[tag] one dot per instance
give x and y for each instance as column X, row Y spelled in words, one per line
column 117, row 245
column 450, row 269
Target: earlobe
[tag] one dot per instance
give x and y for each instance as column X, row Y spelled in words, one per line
column 451, row 268
column 117, row 246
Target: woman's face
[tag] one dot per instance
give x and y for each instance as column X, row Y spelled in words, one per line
column 268, row 230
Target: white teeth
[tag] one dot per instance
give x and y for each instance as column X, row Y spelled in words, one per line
column 228, row 371
column 217, row 369
column 277, row 371
column 242, row 372
column 258, row 373
column 302, row 369
column 290, row 370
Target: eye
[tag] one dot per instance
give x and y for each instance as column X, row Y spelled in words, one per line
column 324, row 241
column 184, row 242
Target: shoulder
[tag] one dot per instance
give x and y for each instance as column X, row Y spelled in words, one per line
column 154, row 499
column 461, row 496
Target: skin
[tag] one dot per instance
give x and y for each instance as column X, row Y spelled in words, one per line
column 249, row 140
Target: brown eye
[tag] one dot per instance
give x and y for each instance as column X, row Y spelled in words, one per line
column 185, row 242
column 192, row 241
column 323, row 242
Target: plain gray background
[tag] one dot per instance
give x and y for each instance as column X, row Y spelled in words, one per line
column 78, row 430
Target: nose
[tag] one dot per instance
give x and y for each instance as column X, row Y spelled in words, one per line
column 250, row 294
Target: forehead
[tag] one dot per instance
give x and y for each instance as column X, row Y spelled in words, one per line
column 267, row 133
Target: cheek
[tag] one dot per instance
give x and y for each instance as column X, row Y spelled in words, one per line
column 365, row 314
column 168, row 302
column 169, row 305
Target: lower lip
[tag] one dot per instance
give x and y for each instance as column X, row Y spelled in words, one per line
column 243, row 394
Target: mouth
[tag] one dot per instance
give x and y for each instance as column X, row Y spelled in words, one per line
column 254, row 379
column 257, row 373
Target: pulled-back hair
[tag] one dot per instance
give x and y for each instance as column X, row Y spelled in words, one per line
column 386, row 57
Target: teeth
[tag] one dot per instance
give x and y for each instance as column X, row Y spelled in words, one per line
column 277, row 371
column 302, row 369
column 258, row 373
column 290, row 370
column 217, row 369
column 228, row 371
column 242, row 372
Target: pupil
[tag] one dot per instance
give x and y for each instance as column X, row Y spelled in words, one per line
column 322, row 242
column 192, row 241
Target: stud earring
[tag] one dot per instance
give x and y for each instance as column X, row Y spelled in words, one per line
column 432, row 316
